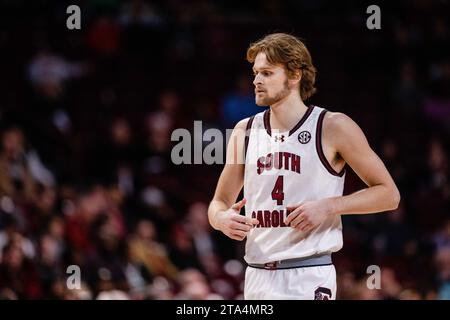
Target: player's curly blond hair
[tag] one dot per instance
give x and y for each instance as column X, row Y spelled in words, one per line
column 285, row 49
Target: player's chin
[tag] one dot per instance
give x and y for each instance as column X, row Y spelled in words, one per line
column 261, row 102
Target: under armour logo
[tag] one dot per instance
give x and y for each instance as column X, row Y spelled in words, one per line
column 279, row 138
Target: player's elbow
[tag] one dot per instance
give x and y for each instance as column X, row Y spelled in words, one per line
column 394, row 198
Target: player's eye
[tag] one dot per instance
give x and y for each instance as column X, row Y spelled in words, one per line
column 264, row 73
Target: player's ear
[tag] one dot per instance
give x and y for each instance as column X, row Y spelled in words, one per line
column 295, row 77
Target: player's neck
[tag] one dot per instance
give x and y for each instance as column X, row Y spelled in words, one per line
column 285, row 114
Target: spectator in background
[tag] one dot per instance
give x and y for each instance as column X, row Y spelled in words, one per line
column 13, row 233
column 49, row 73
column 20, row 167
column 205, row 242
column 105, row 263
column 207, row 250
column 145, row 250
column 158, row 176
column 42, row 210
column 51, row 117
column 115, row 159
column 198, row 226
column 434, row 193
column 18, row 273
column 194, row 286
column 89, row 205
column 49, row 263
column 182, row 250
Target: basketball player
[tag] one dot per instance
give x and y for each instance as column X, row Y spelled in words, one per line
column 290, row 160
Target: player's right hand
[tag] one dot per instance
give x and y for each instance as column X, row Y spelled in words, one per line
column 234, row 225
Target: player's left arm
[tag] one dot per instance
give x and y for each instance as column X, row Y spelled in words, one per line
column 351, row 144
column 347, row 140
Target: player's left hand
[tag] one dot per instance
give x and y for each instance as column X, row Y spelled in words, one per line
column 309, row 214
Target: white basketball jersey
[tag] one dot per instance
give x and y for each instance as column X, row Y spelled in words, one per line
column 286, row 168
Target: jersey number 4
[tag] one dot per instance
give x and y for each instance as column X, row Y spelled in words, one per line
column 277, row 192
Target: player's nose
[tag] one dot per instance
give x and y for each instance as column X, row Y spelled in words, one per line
column 257, row 80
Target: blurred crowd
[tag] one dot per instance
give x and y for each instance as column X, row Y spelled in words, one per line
column 86, row 118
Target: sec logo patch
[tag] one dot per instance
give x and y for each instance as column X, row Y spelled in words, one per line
column 304, row 137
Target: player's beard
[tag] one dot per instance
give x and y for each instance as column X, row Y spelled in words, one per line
column 268, row 101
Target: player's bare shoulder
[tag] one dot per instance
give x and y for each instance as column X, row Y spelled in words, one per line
column 341, row 132
column 334, row 122
column 240, row 128
column 242, row 124
column 236, row 143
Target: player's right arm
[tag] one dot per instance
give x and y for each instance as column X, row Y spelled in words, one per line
column 223, row 212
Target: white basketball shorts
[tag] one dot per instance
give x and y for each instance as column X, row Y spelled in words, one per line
column 304, row 283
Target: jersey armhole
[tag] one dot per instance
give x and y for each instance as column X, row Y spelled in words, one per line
column 247, row 135
column 319, row 148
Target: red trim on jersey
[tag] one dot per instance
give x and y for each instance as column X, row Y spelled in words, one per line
column 267, row 122
column 302, row 120
column 295, row 128
column 319, row 149
column 247, row 134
